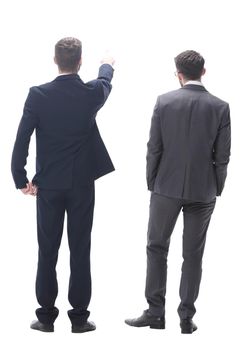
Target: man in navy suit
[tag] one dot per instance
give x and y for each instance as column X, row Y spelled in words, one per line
column 70, row 157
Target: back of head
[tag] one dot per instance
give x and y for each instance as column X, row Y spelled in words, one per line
column 191, row 64
column 68, row 53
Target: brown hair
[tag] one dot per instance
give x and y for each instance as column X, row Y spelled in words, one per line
column 68, row 54
column 190, row 63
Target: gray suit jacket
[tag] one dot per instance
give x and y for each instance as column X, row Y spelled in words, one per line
column 189, row 145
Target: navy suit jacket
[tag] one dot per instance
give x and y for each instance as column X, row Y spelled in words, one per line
column 189, row 145
column 68, row 143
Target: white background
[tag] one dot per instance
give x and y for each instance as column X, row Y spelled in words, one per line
column 144, row 36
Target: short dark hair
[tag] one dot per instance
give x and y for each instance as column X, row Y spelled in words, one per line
column 68, row 53
column 190, row 63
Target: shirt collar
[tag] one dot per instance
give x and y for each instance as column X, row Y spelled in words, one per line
column 64, row 74
column 194, row 82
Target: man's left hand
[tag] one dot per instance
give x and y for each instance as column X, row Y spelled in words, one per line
column 30, row 189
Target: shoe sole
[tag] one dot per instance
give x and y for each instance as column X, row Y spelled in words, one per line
column 157, row 326
column 84, row 331
column 42, row 330
column 152, row 326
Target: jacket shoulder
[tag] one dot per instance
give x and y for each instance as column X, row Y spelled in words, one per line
column 169, row 96
column 217, row 101
column 180, row 93
column 38, row 89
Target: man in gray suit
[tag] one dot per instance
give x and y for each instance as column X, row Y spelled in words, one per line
column 187, row 158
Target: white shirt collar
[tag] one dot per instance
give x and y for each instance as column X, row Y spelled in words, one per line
column 66, row 74
column 194, row 82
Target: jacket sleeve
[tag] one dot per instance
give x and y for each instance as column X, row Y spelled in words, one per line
column 20, row 151
column 221, row 151
column 154, row 148
column 102, row 85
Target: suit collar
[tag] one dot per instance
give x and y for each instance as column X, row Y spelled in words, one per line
column 194, row 87
column 67, row 77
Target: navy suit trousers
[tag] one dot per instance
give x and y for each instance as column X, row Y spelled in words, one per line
column 78, row 204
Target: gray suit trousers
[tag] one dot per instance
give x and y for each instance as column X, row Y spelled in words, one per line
column 164, row 212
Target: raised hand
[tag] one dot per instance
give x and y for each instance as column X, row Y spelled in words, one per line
column 108, row 59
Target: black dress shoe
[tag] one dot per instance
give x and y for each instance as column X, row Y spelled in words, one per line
column 86, row 327
column 147, row 320
column 42, row 327
column 188, row 326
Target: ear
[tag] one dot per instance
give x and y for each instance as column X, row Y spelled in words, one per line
column 204, row 71
column 181, row 77
column 79, row 65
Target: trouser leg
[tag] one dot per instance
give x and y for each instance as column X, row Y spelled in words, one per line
column 163, row 215
column 80, row 207
column 50, row 219
column 197, row 216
